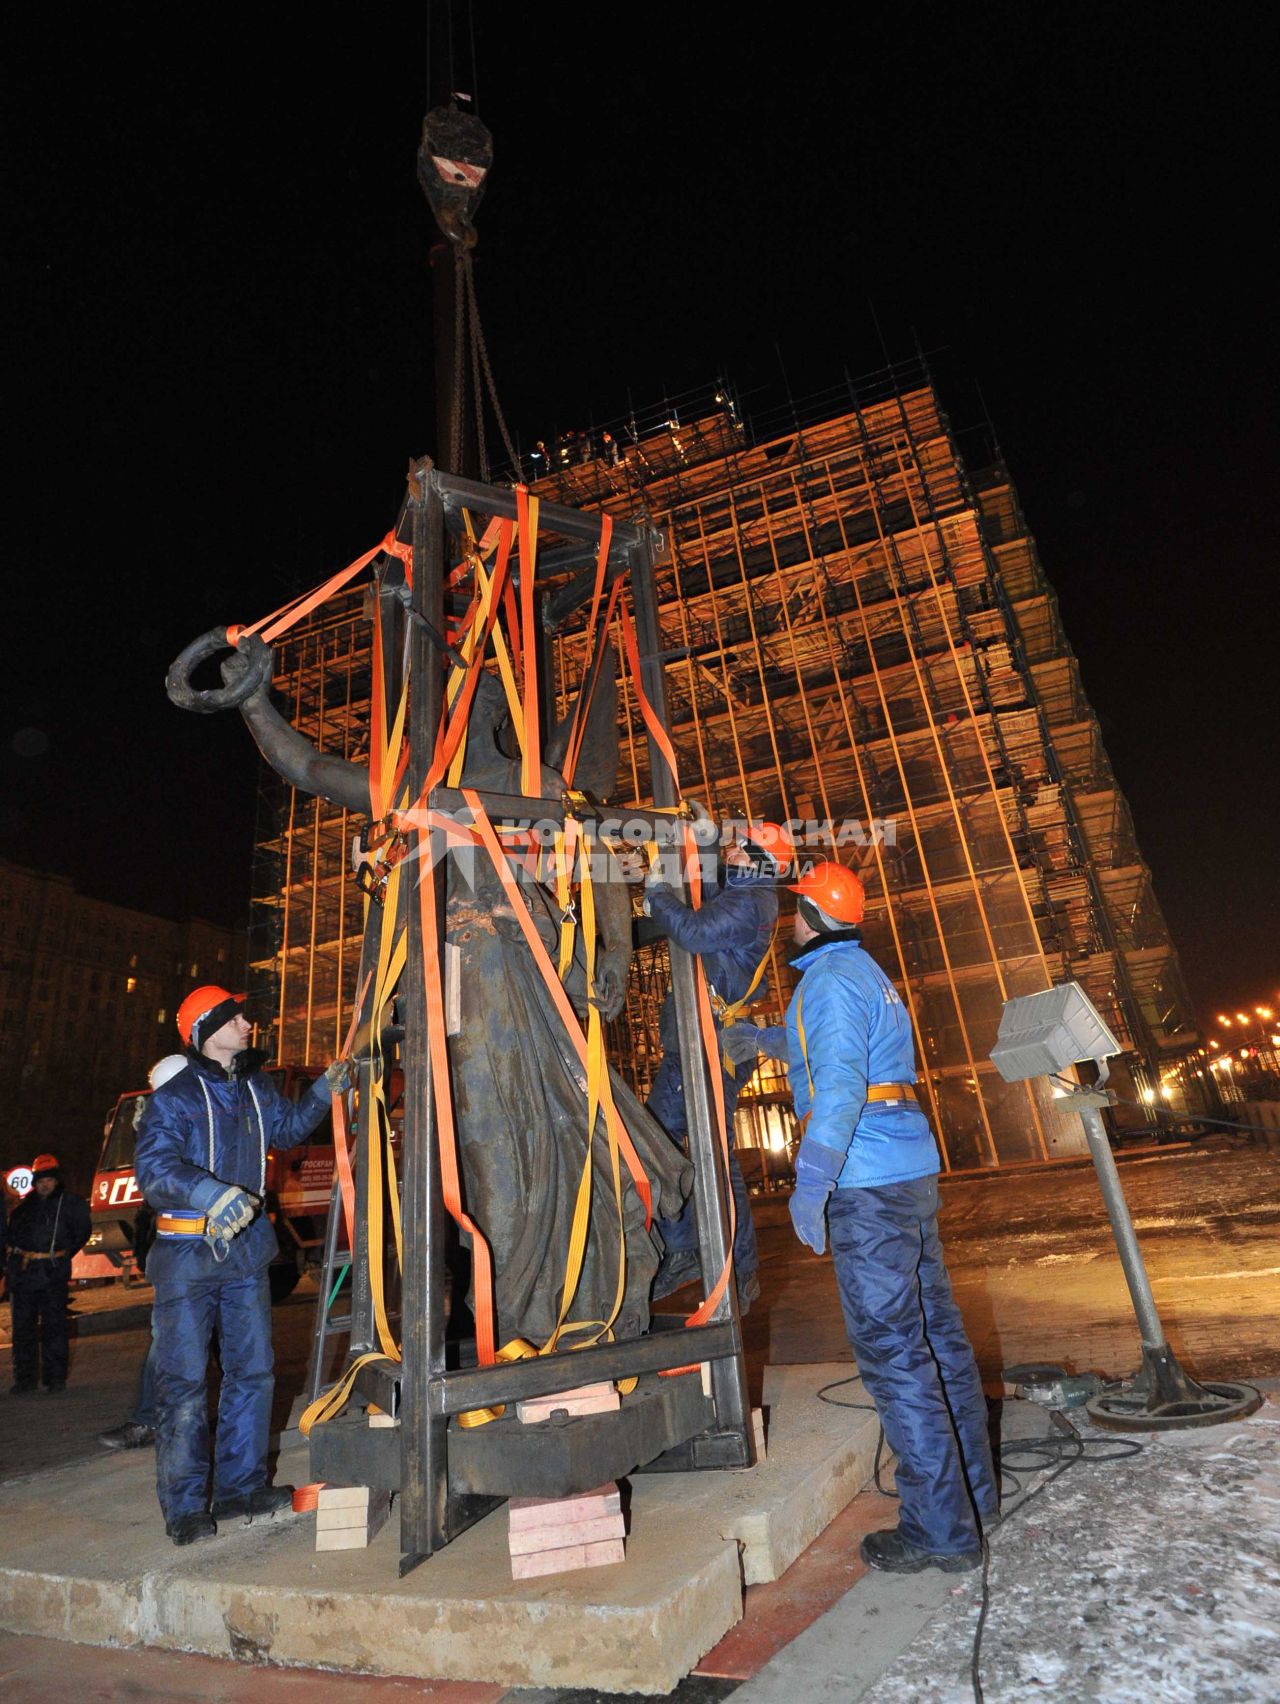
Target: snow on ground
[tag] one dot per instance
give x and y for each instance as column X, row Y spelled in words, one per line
column 1149, row 1581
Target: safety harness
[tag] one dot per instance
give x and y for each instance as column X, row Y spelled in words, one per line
column 195, row 1224
column 878, row 1092
column 29, row 1256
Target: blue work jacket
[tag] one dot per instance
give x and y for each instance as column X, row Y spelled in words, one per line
column 205, row 1129
column 730, row 933
column 855, row 1033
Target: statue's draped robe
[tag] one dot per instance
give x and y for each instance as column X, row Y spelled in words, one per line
column 520, row 1096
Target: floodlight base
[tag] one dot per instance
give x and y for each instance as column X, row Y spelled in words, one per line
column 1161, row 1397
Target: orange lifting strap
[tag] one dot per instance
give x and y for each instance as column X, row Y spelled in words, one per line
column 518, row 667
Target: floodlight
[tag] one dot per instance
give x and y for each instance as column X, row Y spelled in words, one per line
column 1043, row 1033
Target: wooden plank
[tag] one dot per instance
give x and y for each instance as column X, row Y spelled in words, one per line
column 535, row 1411
column 567, row 1533
column 599, row 1555
column 526, row 1512
column 343, row 1497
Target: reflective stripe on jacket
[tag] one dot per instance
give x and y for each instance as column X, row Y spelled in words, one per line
column 856, row 1032
column 205, row 1124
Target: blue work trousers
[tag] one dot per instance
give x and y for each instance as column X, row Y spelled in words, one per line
column 666, row 1103
column 915, row 1360
column 183, row 1320
column 144, row 1407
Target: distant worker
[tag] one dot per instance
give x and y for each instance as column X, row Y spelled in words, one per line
column 731, row 933
column 201, row 1163
column 46, row 1230
column 139, row 1430
column 867, row 1167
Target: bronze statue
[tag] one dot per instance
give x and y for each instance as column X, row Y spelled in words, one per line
column 519, row 1090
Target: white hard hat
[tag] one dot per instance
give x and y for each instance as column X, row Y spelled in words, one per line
column 165, row 1069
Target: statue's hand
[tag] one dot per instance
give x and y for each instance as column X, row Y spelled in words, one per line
column 611, row 981
column 234, row 668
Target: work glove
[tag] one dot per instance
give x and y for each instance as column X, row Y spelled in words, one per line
column 655, row 877
column 227, row 1211
column 338, row 1076
column 817, row 1169
column 744, row 1042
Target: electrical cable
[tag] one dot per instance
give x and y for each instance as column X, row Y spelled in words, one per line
column 1058, row 1450
column 860, row 1408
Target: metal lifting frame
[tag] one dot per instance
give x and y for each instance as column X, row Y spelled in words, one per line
column 422, row 1390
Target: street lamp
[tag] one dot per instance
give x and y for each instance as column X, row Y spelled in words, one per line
column 1041, row 1035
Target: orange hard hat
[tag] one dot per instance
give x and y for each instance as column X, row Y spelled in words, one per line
column 834, row 890
column 772, row 838
column 200, row 1003
column 44, row 1163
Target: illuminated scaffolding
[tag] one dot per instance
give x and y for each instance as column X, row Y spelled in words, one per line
column 857, row 634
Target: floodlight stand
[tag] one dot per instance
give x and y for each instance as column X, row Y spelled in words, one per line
column 1160, row 1396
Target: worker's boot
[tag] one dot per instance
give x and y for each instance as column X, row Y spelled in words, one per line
column 678, row 1267
column 256, row 1505
column 891, row 1553
column 186, row 1529
column 133, row 1435
column 748, row 1292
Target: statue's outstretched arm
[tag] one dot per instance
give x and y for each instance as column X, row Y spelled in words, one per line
column 292, row 756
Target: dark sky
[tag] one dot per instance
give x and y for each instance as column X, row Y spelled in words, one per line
column 219, row 330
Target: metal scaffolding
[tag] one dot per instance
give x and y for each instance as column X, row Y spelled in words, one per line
column 857, row 633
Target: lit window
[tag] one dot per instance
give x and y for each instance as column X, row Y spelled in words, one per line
column 161, row 1015
column 133, row 961
column 194, row 971
column 130, row 983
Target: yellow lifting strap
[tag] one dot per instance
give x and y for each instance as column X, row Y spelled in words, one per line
column 480, row 617
column 730, row 1014
column 804, row 1046
column 564, row 853
column 599, row 1097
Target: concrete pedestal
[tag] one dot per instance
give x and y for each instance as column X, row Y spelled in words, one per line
column 83, row 1557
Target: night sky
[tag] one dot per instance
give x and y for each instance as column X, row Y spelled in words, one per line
column 220, row 348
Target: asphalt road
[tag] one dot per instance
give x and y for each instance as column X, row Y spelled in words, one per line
column 1031, row 1259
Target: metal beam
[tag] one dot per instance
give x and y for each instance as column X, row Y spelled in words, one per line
column 516, row 808
column 457, row 494
column 711, row 1186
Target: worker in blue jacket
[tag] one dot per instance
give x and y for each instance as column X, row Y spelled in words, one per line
column 731, row 932
column 201, row 1162
column 867, row 1168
